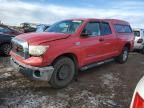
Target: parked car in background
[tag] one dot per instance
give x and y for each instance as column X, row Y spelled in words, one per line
column 139, row 40
column 7, row 30
column 138, row 96
column 42, row 27
column 5, row 44
column 57, row 54
column 6, row 34
column 28, row 27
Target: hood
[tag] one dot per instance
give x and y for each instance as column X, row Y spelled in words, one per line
column 38, row 38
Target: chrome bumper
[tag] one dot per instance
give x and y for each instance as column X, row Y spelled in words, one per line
column 35, row 73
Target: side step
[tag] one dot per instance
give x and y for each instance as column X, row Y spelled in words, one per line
column 96, row 64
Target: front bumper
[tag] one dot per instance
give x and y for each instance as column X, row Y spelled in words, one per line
column 138, row 46
column 35, row 73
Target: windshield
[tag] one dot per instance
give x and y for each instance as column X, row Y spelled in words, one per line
column 69, row 26
column 136, row 33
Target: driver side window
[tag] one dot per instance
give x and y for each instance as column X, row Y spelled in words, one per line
column 4, row 30
column 1, row 29
column 92, row 29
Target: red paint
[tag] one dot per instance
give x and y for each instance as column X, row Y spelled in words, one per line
column 90, row 50
column 138, row 101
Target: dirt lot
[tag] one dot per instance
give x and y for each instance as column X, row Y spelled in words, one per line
column 108, row 86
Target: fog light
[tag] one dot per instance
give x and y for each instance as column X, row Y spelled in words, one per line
column 37, row 73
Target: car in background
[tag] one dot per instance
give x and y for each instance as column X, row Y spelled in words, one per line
column 139, row 40
column 138, row 96
column 7, row 30
column 28, row 27
column 42, row 27
column 5, row 44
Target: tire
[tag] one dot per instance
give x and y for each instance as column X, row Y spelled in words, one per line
column 5, row 49
column 64, row 71
column 142, row 51
column 122, row 58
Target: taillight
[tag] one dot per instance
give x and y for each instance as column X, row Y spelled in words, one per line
column 140, row 41
column 138, row 101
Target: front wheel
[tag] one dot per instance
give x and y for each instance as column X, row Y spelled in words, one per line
column 5, row 49
column 64, row 71
column 122, row 58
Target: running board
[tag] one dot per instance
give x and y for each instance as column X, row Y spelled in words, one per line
column 96, row 64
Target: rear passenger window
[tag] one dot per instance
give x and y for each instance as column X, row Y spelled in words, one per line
column 92, row 29
column 105, row 29
column 123, row 28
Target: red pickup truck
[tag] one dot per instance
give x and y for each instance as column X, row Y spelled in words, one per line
column 71, row 45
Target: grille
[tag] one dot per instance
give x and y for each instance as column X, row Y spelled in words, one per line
column 20, row 47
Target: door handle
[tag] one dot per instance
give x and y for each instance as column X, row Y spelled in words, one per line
column 101, row 39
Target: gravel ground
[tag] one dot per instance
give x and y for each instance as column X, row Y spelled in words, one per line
column 107, row 86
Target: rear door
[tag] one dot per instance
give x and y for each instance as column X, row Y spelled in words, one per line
column 108, row 41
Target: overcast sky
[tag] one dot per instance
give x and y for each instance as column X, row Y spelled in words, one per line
column 14, row 12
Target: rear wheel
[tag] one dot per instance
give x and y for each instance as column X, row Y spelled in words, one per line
column 64, row 71
column 5, row 49
column 122, row 58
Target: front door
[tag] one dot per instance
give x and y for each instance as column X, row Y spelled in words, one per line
column 91, row 43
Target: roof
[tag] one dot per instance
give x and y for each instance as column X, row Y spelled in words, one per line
column 138, row 29
column 115, row 21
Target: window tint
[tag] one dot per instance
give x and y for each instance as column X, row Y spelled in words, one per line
column 92, row 29
column 68, row 26
column 105, row 29
column 7, row 30
column 4, row 30
column 1, row 29
column 127, row 29
column 123, row 28
column 136, row 33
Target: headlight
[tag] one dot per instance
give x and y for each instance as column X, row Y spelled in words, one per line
column 37, row 50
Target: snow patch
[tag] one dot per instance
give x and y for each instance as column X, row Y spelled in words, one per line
column 109, row 80
column 5, row 75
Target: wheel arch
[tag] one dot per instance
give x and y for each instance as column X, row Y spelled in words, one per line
column 72, row 56
column 128, row 45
